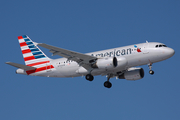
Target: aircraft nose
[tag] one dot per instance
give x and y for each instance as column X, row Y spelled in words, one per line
column 170, row 52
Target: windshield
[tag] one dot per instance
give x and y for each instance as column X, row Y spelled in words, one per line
column 161, row 45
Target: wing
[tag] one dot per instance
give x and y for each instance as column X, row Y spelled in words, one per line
column 81, row 59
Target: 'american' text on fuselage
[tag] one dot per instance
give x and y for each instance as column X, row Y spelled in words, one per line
column 114, row 53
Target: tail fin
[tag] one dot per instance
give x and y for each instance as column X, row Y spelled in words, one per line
column 32, row 55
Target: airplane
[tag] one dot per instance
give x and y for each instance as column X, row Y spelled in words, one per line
column 118, row 62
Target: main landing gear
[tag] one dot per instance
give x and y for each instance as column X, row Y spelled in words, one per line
column 150, row 69
column 89, row 77
column 107, row 84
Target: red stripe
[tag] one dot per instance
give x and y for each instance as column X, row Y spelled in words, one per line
column 23, row 44
column 49, row 67
column 29, row 58
column 40, row 69
column 26, row 51
column 20, row 37
column 38, row 63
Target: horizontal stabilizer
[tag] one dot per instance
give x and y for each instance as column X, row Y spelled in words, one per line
column 24, row 67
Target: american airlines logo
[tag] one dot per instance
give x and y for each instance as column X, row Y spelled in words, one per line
column 114, row 53
column 117, row 52
column 138, row 49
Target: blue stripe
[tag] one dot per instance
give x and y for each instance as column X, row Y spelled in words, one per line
column 37, row 53
column 24, row 36
column 29, row 43
column 40, row 56
column 27, row 40
column 32, row 46
column 32, row 50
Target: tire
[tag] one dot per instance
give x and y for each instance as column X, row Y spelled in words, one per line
column 151, row 72
column 89, row 77
column 107, row 84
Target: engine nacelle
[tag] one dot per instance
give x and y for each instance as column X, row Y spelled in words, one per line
column 122, row 63
column 133, row 74
column 111, row 63
column 106, row 63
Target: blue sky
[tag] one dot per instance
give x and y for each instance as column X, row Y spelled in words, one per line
column 86, row 26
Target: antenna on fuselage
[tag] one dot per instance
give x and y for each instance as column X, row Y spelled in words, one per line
column 146, row 41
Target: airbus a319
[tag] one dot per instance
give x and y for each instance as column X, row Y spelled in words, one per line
column 118, row 62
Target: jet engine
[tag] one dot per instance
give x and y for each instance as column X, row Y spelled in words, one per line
column 132, row 74
column 110, row 63
column 106, row 63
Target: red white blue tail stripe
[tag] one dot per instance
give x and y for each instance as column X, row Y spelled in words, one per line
column 33, row 56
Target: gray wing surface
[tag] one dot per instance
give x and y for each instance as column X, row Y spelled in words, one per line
column 24, row 67
column 82, row 59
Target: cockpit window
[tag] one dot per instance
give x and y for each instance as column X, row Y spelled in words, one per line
column 160, row 46
column 164, row 46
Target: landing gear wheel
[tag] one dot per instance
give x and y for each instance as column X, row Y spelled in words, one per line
column 151, row 72
column 150, row 69
column 107, row 84
column 89, row 77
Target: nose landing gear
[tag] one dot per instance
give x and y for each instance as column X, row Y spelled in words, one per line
column 151, row 72
column 150, row 69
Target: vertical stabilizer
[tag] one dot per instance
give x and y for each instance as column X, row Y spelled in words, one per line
column 32, row 55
